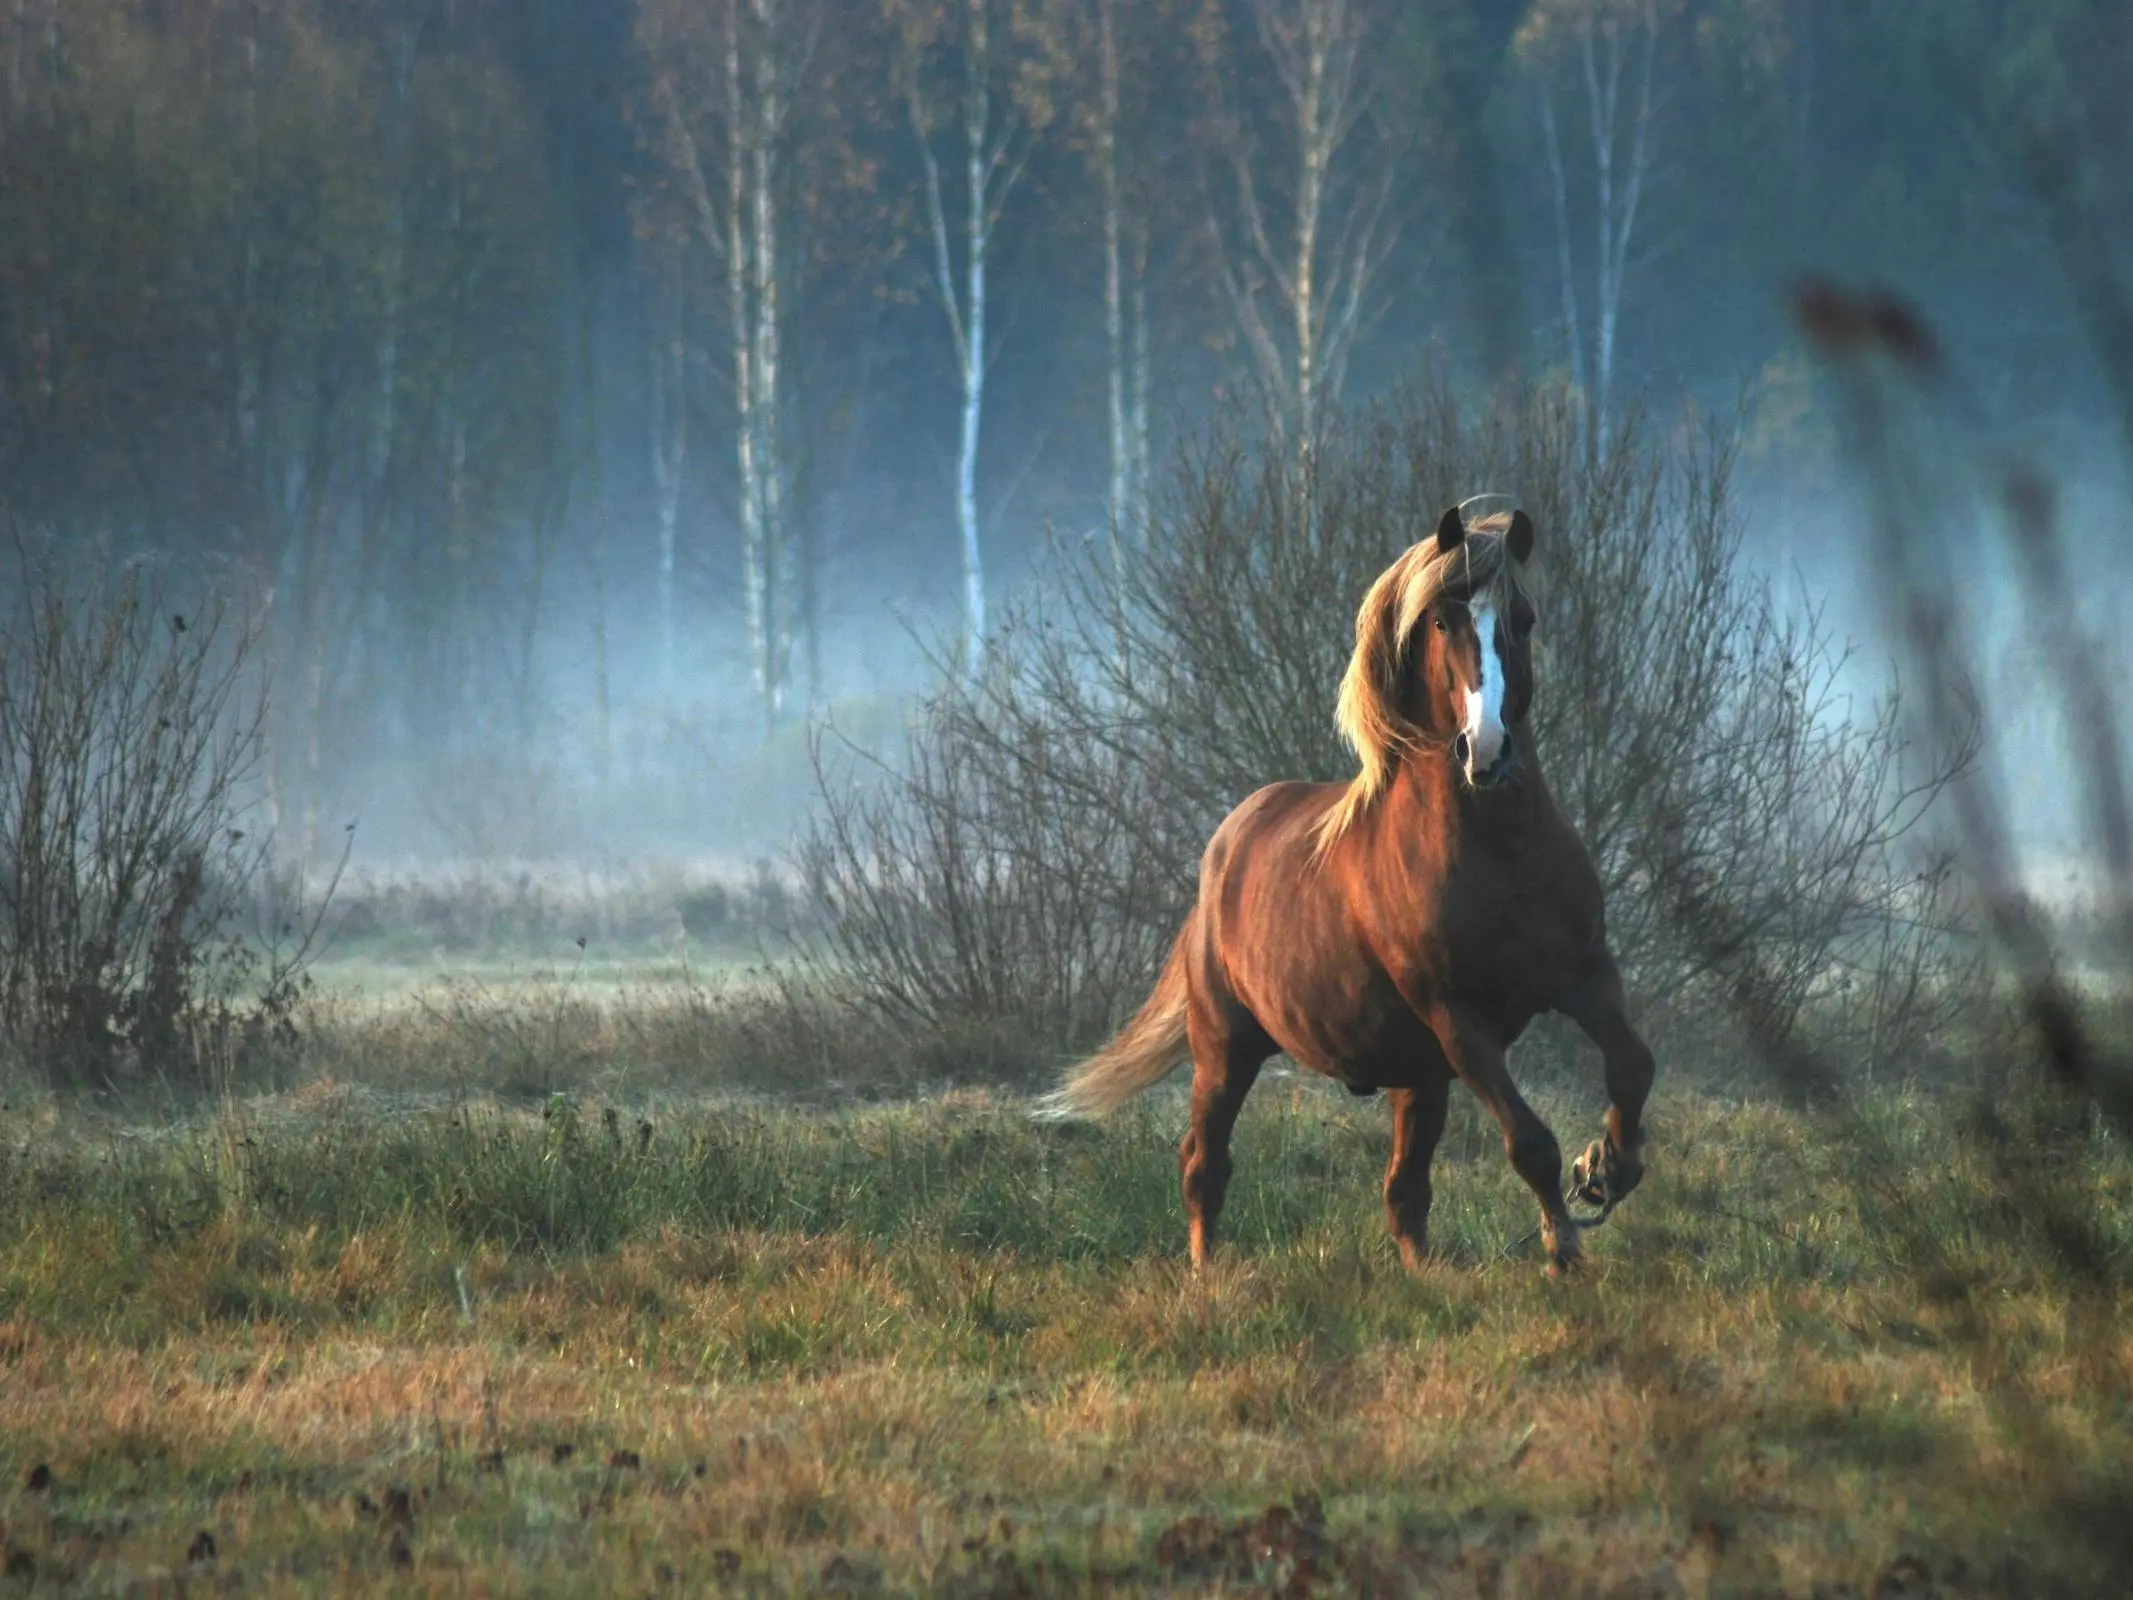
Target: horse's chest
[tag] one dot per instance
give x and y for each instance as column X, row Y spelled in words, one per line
column 1513, row 937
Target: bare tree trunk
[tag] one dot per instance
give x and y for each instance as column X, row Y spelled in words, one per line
column 740, row 216
column 1114, row 275
column 766, row 413
column 541, row 542
column 1308, row 86
column 455, row 649
column 395, row 274
column 1574, row 337
column 1616, row 221
column 1142, row 379
column 1600, row 103
column 758, row 575
column 989, row 175
column 314, row 716
column 603, row 694
column 977, row 107
column 804, row 518
column 670, row 443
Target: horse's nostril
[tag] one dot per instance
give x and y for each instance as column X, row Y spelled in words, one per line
column 1461, row 749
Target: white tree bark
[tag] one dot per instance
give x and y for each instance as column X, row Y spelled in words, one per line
column 976, row 113
column 758, row 563
column 739, row 218
column 764, row 412
column 991, row 168
column 1304, row 73
column 1125, row 243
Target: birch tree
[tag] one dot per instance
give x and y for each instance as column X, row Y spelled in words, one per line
column 1299, row 221
column 1124, row 133
column 757, row 126
column 974, row 78
column 1608, row 51
column 724, row 86
column 724, row 83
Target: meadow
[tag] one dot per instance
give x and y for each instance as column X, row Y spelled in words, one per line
column 529, row 1230
column 530, row 1285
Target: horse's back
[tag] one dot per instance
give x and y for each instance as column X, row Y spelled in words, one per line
column 1275, row 817
column 1268, row 843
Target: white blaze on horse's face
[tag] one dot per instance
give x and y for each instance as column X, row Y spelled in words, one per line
column 1482, row 730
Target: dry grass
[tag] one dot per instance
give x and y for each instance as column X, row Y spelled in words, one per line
column 929, row 1347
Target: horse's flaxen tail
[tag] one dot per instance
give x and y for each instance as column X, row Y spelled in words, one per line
column 1137, row 1056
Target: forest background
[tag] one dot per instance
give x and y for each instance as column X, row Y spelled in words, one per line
column 583, row 395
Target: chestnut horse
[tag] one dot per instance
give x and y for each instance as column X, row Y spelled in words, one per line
column 1402, row 929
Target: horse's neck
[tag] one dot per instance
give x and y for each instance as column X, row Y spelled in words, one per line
column 1431, row 794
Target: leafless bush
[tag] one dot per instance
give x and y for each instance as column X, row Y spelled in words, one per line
column 1012, row 898
column 129, row 738
column 1029, row 862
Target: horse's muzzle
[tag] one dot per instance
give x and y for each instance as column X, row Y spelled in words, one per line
column 1502, row 770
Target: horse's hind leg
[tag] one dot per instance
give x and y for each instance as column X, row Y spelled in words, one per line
column 1417, row 1124
column 1610, row 1169
column 1225, row 1063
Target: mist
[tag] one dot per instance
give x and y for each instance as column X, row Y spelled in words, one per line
column 582, row 399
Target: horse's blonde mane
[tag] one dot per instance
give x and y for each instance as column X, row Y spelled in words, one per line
column 1479, row 568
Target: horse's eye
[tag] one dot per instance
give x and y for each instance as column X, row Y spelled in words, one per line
column 1442, row 625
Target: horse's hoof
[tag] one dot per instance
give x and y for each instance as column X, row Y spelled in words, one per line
column 1589, row 1175
column 1603, row 1175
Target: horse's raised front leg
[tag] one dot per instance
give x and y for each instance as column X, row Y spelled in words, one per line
column 1479, row 1060
column 1224, row 1067
column 1612, row 1166
column 1417, row 1125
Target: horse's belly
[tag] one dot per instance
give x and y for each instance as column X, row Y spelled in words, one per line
column 1372, row 1040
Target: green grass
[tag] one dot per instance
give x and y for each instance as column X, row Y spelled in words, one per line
column 468, row 1345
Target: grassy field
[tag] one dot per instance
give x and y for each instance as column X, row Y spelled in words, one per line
column 415, row 1338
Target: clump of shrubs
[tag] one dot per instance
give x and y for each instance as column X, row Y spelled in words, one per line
column 139, row 936
column 1023, row 871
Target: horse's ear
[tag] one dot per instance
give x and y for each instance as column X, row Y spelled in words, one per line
column 1451, row 528
column 1518, row 538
